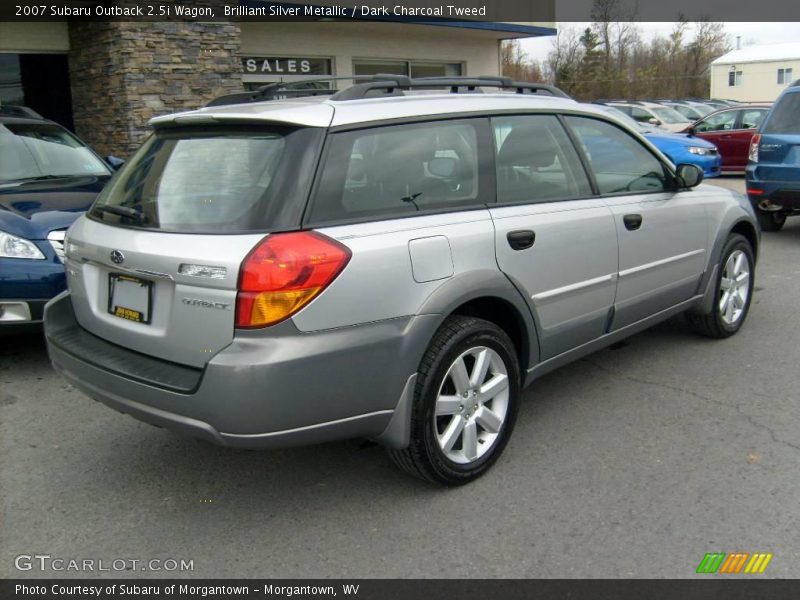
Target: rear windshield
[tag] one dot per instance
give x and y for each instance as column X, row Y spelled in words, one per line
column 41, row 151
column 785, row 117
column 213, row 181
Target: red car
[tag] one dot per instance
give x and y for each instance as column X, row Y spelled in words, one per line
column 730, row 130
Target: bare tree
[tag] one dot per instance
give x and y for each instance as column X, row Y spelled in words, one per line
column 516, row 63
column 563, row 60
column 612, row 60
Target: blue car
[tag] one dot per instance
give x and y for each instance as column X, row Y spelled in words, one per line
column 680, row 148
column 48, row 177
column 773, row 166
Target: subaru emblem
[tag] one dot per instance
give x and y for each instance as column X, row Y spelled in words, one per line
column 117, row 257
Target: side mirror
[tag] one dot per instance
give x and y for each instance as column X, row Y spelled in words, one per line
column 654, row 121
column 115, row 162
column 690, row 131
column 689, row 176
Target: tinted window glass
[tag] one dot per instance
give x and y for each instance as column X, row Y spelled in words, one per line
column 752, row 118
column 718, row 122
column 536, row 161
column 213, row 181
column 620, row 163
column 399, row 170
column 785, row 117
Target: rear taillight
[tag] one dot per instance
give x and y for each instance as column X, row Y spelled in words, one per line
column 752, row 154
column 283, row 273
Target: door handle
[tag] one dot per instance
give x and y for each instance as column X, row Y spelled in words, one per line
column 521, row 240
column 632, row 222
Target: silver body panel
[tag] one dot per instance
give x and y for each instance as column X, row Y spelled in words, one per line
column 569, row 274
column 184, row 332
column 661, row 262
column 344, row 365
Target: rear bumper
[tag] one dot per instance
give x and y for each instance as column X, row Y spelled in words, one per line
column 287, row 389
column 779, row 192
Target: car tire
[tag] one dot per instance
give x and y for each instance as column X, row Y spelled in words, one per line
column 771, row 221
column 733, row 291
column 465, row 403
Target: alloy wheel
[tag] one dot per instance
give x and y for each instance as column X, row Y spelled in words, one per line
column 734, row 287
column 471, row 405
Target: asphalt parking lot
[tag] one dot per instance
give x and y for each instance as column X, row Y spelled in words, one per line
column 634, row 462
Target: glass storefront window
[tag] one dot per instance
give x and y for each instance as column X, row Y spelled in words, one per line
column 412, row 68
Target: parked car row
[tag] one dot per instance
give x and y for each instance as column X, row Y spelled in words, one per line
column 48, row 178
column 679, row 148
column 727, row 125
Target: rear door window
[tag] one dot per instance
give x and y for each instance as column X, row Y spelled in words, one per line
column 535, row 161
column 400, row 170
column 214, row 180
column 752, row 118
column 785, row 117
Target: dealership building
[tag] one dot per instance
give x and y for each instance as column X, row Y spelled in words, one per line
column 105, row 80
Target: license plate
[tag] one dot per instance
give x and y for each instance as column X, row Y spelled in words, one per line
column 130, row 298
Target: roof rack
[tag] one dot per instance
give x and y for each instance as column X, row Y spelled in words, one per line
column 286, row 89
column 381, row 85
column 395, row 84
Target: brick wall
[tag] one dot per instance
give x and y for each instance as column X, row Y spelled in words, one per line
column 124, row 73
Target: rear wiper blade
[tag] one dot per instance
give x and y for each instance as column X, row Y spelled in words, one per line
column 122, row 211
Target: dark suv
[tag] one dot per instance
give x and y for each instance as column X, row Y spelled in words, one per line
column 773, row 168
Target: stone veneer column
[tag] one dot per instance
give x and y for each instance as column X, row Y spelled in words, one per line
column 124, row 73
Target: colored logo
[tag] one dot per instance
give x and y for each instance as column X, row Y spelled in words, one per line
column 736, row 562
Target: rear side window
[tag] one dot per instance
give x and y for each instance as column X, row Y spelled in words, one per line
column 785, row 117
column 213, row 181
column 535, row 161
column 399, row 170
column 620, row 163
column 752, row 118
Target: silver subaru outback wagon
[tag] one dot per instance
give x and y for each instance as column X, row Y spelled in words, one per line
column 397, row 261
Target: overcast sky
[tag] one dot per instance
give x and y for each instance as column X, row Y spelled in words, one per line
column 757, row 33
